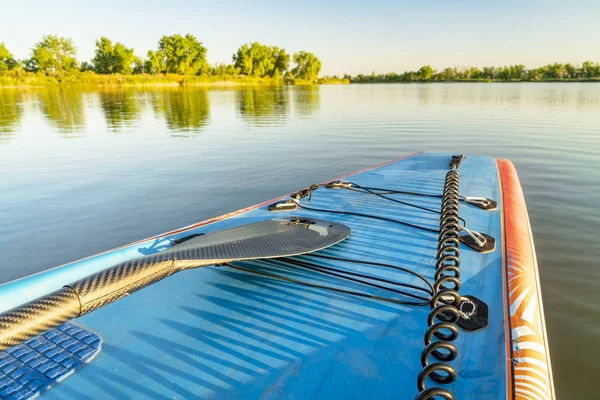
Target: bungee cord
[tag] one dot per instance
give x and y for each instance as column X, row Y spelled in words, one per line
column 479, row 239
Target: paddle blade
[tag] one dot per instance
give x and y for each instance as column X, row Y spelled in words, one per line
column 281, row 237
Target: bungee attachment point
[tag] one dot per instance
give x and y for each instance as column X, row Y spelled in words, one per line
column 473, row 314
column 480, row 242
column 301, row 194
column 338, row 185
column 477, row 237
column 285, row 205
column 456, row 159
column 481, row 202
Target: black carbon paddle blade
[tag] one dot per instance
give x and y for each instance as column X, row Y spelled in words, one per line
column 282, row 237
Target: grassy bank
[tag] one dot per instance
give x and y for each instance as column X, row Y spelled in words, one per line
column 20, row 78
column 16, row 78
column 333, row 81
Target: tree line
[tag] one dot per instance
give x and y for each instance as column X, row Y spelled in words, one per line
column 552, row 72
column 175, row 54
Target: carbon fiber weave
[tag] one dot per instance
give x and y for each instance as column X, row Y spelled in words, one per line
column 37, row 317
column 279, row 245
column 265, row 239
column 117, row 282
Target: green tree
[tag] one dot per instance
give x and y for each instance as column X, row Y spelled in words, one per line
column 112, row 59
column 475, row 73
column 53, row 54
column 6, row 59
column 536, row 74
column 391, row 76
column 502, row 73
column 259, row 60
column 489, row 73
column 516, row 72
column 307, row 66
column 86, row 66
column 282, row 61
column 221, row 69
column 426, row 73
column 155, row 64
column 176, row 54
column 139, row 66
column 243, row 60
column 590, row 70
column 554, row 71
column 449, row 74
column 571, row 71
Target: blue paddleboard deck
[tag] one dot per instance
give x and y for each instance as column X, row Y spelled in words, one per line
column 222, row 332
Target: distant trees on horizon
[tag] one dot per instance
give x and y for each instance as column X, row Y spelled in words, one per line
column 550, row 72
column 175, row 54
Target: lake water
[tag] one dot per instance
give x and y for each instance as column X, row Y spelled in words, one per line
column 82, row 172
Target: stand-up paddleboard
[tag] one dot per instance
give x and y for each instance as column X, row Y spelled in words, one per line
column 434, row 293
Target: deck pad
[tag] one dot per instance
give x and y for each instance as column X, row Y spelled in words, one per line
column 26, row 370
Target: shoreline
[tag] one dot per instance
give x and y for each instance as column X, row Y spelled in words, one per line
column 92, row 80
column 97, row 81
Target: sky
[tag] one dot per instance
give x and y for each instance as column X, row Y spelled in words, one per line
column 348, row 36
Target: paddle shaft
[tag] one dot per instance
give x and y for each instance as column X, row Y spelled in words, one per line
column 88, row 294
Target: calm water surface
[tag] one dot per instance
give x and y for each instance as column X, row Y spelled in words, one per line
column 82, row 172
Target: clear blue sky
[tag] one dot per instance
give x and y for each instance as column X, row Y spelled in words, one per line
column 349, row 36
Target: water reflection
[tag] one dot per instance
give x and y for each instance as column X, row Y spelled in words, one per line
column 11, row 111
column 65, row 109
column 307, row 100
column 424, row 94
column 263, row 105
column 184, row 110
column 122, row 109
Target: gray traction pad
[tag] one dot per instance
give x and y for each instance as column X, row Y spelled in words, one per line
column 28, row 369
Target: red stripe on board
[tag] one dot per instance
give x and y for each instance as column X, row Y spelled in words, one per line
column 530, row 373
column 509, row 370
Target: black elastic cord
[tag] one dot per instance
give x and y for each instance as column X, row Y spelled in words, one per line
column 393, row 191
column 377, row 264
column 331, row 288
column 368, row 190
column 348, row 276
column 369, row 216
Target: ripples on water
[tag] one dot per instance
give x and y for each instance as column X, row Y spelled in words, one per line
column 140, row 162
